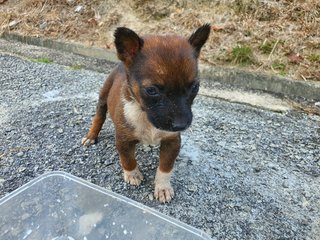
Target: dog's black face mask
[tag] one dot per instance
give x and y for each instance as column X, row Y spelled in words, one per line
column 169, row 110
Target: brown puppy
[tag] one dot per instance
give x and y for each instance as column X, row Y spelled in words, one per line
column 149, row 97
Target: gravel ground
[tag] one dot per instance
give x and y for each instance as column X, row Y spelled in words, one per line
column 243, row 172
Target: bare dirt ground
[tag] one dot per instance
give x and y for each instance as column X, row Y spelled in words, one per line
column 276, row 37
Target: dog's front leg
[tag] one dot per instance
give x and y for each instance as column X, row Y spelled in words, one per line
column 131, row 172
column 169, row 151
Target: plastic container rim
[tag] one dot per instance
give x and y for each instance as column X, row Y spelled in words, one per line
column 106, row 192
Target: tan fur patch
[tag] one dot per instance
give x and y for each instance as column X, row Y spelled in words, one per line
column 144, row 131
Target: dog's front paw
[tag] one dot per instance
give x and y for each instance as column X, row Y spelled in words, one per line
column 88, row 140
column 133, row 177
column 163, row 190
column 163, row 193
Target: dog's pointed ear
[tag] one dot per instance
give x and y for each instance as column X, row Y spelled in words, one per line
column 199, row 37
column 128, row 44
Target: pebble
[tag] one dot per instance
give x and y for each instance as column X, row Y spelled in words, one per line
column 20, row 154
column 192, row 188
column 22, row 169
column 273, row 166
column 71, row 2
column 257, row 169
column 146, row 148
column 285, row 184
column 307, row 194
column 253, row 147
column 151, row 197
column 79, row 9
column 43, row 25
column 13, row 23
column 25, row 216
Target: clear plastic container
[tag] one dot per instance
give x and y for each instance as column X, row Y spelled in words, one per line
column 59, row 206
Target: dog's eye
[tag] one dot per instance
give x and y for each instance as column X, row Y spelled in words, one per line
column 152, row 91
column 195, row 87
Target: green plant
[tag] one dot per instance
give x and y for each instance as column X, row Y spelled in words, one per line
column 279, row 67
column 314, row 58
column 42, row 60
column 242, row 55
column 245, row 6
column 75, row 67
column 267, row 46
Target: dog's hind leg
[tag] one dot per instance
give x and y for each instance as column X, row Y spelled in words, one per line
column 97, row 122
column 101, row 113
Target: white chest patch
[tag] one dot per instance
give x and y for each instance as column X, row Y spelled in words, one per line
column 145, row 132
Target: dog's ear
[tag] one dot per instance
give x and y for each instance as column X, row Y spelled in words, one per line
column 128, row 44
column 199, row 37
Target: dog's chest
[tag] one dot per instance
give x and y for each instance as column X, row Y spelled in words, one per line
column 144, row 130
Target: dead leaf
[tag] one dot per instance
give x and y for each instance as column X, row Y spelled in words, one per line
column 217, row 28
column 2, row 1
column 316, row 75
column 13, row 23
column 92, row 21
column 295, row 58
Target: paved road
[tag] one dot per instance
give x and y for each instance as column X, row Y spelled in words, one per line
column 243, row 172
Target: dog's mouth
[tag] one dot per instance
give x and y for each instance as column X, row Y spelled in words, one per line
column 170, row 126
column 179, row 128
column 172, row 129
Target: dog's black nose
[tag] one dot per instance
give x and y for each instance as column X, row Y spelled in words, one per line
column 180, row 126
column 181, row 121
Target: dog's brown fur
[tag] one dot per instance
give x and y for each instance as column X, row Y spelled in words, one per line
column 167, row 65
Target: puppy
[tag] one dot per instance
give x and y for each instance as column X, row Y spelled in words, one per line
column 149, row 97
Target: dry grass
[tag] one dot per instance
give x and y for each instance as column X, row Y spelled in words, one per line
column 273, row 30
